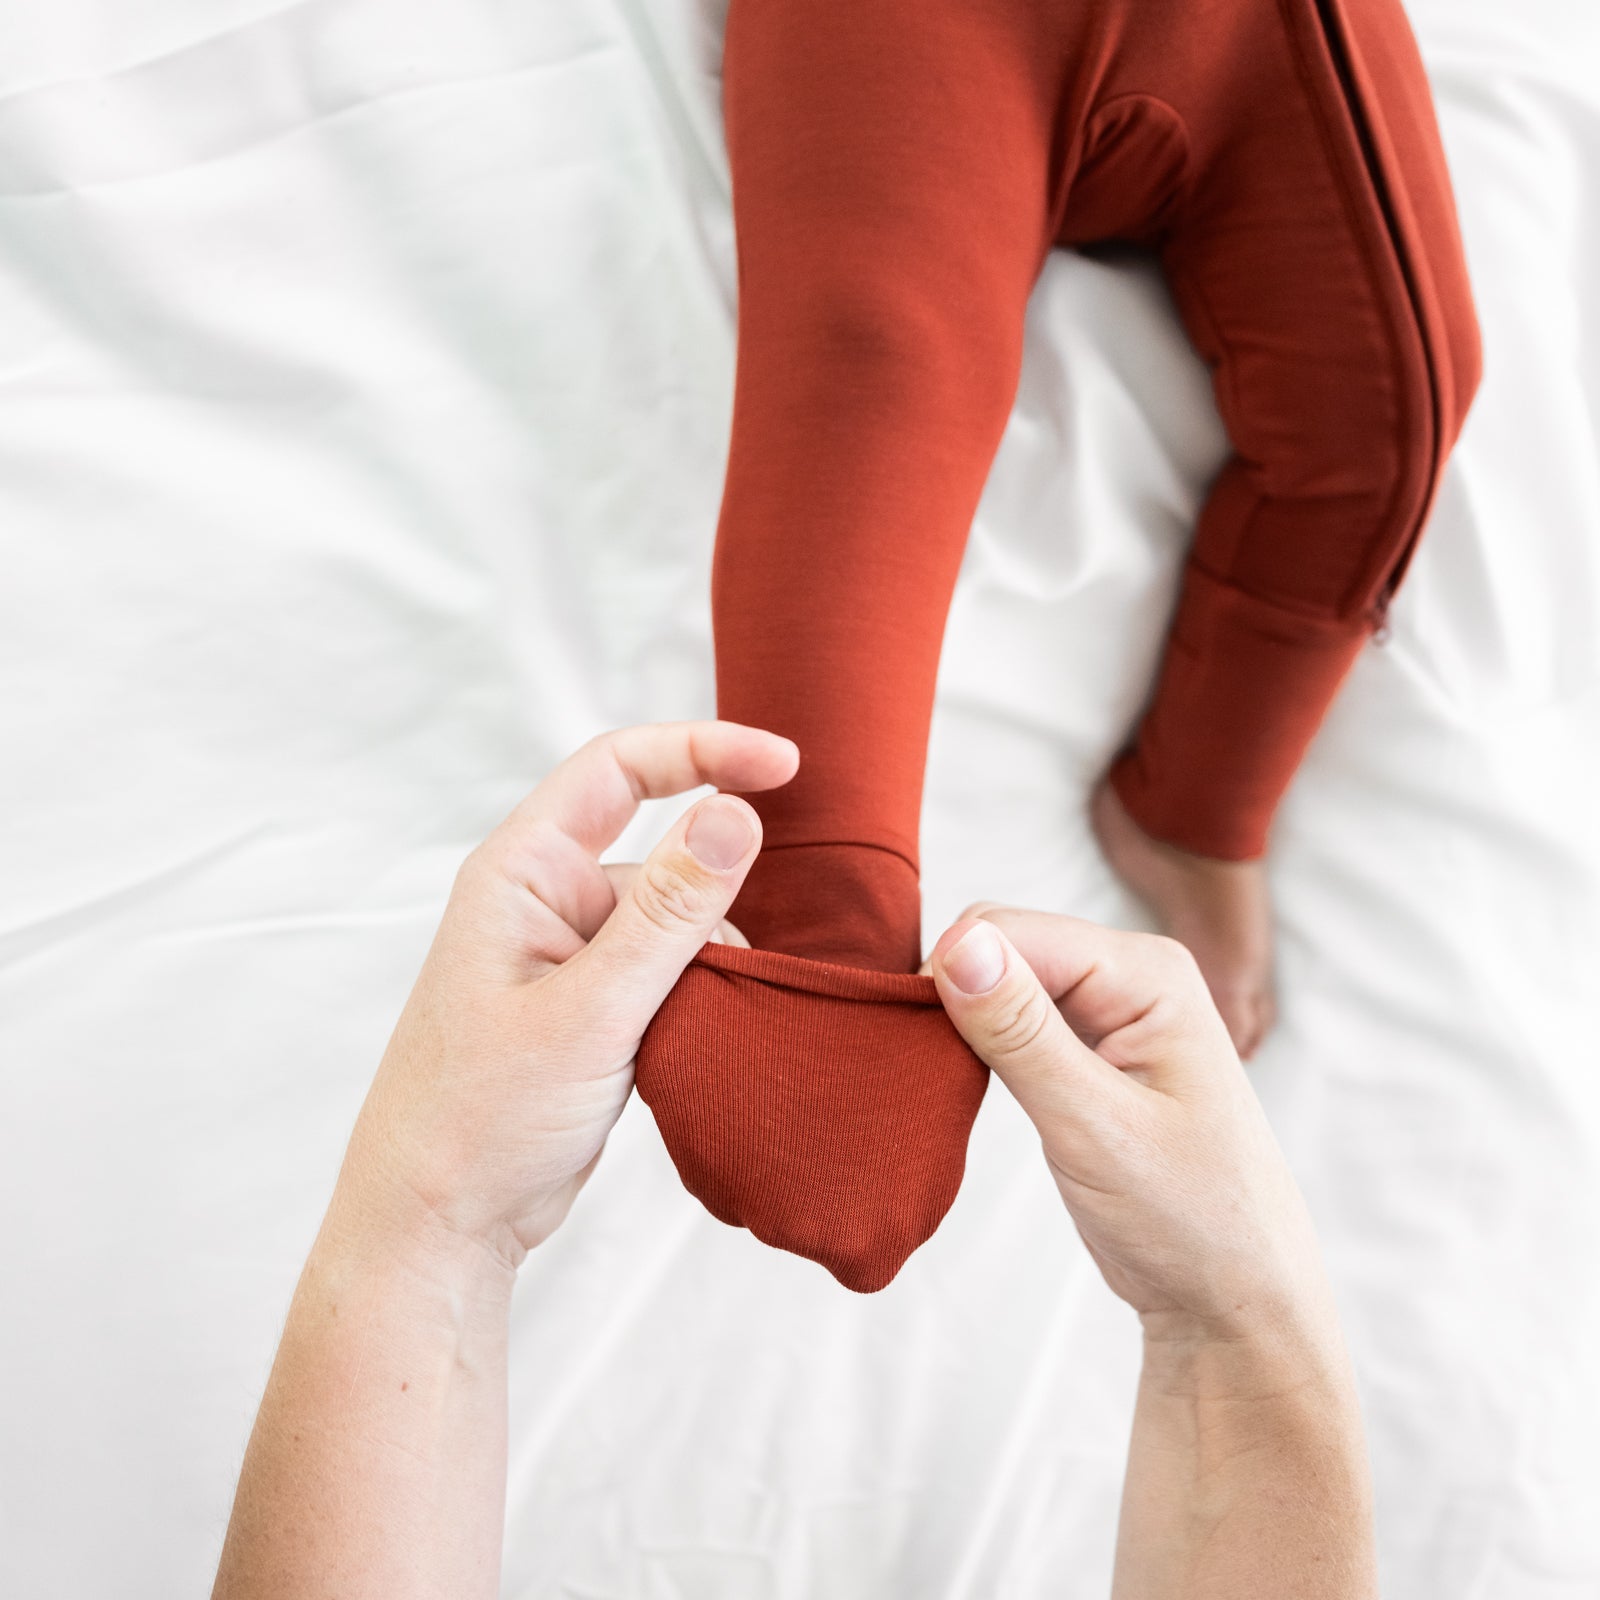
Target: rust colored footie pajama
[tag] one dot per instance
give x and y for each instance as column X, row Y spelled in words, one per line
column 901, row 169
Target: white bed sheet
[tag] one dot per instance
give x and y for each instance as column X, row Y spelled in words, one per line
column 364, row 382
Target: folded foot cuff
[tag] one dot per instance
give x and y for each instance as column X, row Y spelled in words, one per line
column 825, row 1108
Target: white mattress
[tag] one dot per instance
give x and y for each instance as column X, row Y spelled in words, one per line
column 364, row 380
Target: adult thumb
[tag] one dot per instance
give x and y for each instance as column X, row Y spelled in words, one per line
column 1001, row 1009
column 672, row 906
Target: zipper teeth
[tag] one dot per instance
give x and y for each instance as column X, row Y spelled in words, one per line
column 1333, row 35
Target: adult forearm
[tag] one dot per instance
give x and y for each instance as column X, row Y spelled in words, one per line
column 377, row 1464
column 1247, row 1473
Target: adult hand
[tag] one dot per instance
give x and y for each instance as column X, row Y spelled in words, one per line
column 1247, row 1471
column 514, row 1055
column 1111, row 1044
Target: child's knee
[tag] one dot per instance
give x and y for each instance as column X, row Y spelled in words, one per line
column 884, row 336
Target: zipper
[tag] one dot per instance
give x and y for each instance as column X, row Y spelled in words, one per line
column 1329, row 18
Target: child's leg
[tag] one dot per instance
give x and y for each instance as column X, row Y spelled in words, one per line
column 1316, row 263
column 891, row 172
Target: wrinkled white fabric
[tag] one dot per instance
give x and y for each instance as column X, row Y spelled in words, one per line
column 365, row 369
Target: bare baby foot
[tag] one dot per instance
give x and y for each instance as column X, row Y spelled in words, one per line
column 1219, row 909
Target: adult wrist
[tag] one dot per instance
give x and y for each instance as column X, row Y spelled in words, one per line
column 378, row 1218
column 1279, row 1353
column 1247, row 1471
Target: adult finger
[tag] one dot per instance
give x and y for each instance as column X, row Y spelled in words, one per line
column 1137, row 999
column 1000, row 1007
column 671, row 907
column 594, row 793
column 547, row 848
column 620, row 875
